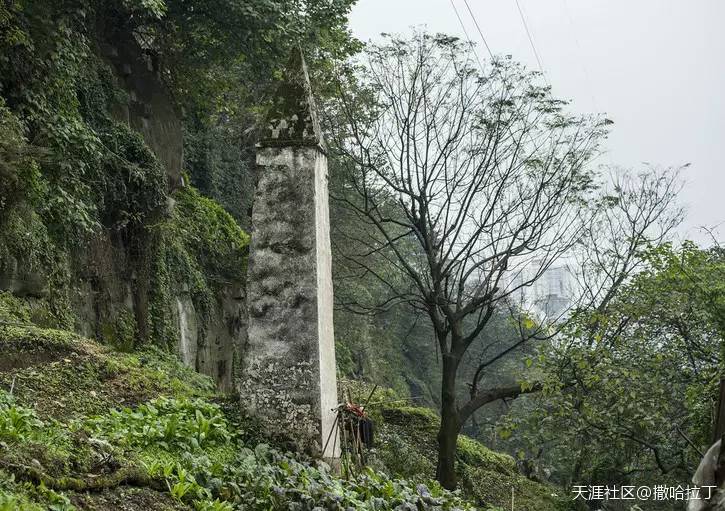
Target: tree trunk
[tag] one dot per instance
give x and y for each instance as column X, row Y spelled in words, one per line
column 450, row 425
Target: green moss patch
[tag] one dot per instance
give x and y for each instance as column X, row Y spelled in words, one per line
column 475, row 454
column 492, row 488
column 211, row 234
column 62, row 375
column 199, row 249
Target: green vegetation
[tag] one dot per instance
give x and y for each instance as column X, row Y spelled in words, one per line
column 62, row 433
column 406, row 436
column 88, row 201
column 630, row 395
column 19, row 173
column 90, row 170
column 166, row 423
column 99, row 235
column 199, row 248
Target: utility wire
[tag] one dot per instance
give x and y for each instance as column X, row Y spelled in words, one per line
column 606, row 155
column 480, row 32
column 531, row 41
column 581, row 53
column 465, row 32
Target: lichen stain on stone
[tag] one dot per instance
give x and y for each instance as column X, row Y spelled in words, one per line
column 292, row 118
column 281, row 392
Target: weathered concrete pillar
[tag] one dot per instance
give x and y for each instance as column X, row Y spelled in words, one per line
column 288, row 378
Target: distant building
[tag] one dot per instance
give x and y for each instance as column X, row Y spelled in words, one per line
column 549, row 296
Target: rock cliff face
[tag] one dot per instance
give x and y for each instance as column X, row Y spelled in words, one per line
column 208, row 338
column 158, row 280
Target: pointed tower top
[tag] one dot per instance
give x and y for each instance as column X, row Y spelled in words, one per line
column 292, row 118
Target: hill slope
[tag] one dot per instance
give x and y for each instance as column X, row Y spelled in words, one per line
column 85, row 427
column 406, row 448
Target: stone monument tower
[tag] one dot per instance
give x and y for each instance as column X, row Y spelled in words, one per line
column 288, row 377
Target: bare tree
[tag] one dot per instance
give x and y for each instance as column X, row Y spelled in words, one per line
column 468, row 185
column 635, row 213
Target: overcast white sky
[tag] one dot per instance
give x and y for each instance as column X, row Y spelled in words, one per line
column 656, row 67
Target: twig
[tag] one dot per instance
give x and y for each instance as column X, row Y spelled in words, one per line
column 692, row 444
column 367, row 401
column 332, row 430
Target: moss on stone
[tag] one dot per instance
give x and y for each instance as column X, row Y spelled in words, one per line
column 63, row 379
column 35, row 268
column 418, row 418
column 210, row 234
column 29, row 338
column 12, row 309
column 475, row 454
column 121, row 333
column 198, row 249
column 63, row 375
column 58, row 381
column 489, row 487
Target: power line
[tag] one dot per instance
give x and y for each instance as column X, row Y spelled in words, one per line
column 606, row 155
column 531, row 40
column 581, row 53
column 465, row 32
column 480, row 32
column 485, row 42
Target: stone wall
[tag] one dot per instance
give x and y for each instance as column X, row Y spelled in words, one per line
column 150, row 110
column 213, row 348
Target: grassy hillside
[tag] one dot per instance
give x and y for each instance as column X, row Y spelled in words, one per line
column 406, row 448
column 85, row 427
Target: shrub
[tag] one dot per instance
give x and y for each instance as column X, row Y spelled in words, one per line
column 10, row 502
column 19, row 172
column 264, row 478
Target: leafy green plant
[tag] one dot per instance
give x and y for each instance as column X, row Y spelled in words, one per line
column 186, row 424
column 17, row 423
column 185, row 485
column 212, row 505
column 55, row 501
column 19, row 172
column 265, row 478
column 11, row 502
column 160, row 468
column 26, row 497
column 199, row 245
